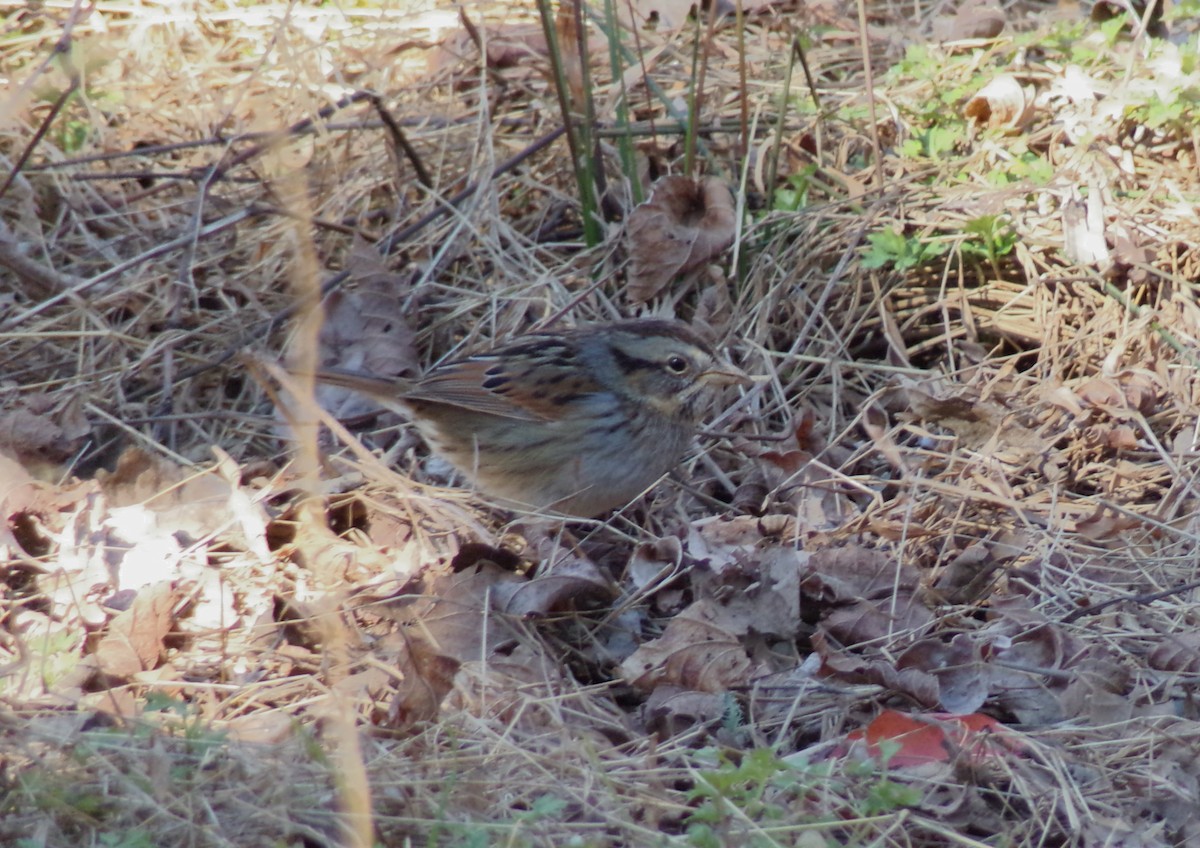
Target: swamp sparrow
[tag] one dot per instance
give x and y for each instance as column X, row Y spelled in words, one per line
column 577, row 422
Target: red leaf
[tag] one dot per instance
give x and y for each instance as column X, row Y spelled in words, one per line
column 937, row 738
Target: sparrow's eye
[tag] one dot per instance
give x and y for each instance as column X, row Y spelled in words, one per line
column 677, row 365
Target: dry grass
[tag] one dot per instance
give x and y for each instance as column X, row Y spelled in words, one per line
column 1038, row 406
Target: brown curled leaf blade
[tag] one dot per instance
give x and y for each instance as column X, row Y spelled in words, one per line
column 135, row 638
column 958, row 667
column 367, row 329
column 694, row 652
column 683, row 225
column 428, row 677
column 1003, row 103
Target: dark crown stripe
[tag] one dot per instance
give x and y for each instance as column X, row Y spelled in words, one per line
column 672, row 329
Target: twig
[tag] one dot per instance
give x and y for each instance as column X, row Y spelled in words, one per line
column 431, row 216
column 62, row 47
column 117, row 270
column 401, row 141
column 334, row 282
column 42, row 129
column 1092, row 609
column 47, row 280
column 219, row 170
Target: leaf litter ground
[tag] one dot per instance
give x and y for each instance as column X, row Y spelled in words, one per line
column 969, row 552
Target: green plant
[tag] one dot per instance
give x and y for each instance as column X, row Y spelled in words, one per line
column 183, row 719
column 795, row 195
column 58, row 796
column 543, row 807
column 1024, row 166
column 58, row 654
column 990, row 237
column 742, row 787
column 920, row 61
column 1111, row 29
column 578, row 118
column 882, row 795
column 1172, row 112
column 933, row 142
column 135, row 838
column 737, row 801
column 889, row 248
column 613, row 33
column 956, row 75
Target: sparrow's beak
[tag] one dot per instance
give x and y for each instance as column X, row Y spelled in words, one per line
column 726, row 375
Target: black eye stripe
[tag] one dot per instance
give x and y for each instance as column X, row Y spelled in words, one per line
column 632, row 363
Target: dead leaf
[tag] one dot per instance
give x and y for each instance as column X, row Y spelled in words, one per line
column 1131, row 256
column 672, row 710
column 523, row 690
column 1098, row 696
column 25, row 505
column 365, row 329
column 469, row 615
column 655, row 564
column 937, row 738
column 1083, row 226
column 875, row 622
column 789, row 457
column 1001, row 104
column 714, row 310
column 1141, row 391
column 1178, row 652
column 978, row 423
column 913, row 683
column 161, row 505
column 683, row 225
column 972, row 20
column 366, row 687
column 852, row 572
column 451, row 613
column 38, row 435
column 1019, row 680
column 963, row 678
column 1100, row 392
column 1121, row 438
column 758, row 593
column 428, row 677
column 877, row 427
column 1135, row 390
column 692, row 653
column 507, row 45
column 134, row 641
column 752, row 581
column 968, row 576
column 572, row 580
column 1106, row 523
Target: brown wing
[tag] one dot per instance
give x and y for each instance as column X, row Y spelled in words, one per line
column 514, row 384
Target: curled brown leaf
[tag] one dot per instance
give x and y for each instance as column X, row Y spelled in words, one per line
column 1002, row 103
column 684, row 224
